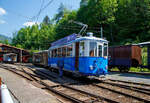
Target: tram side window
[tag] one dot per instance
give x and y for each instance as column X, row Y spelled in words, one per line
column 59, row 52
column 69, row 51
column 93, row 49
column 64, row 51
column 54, row 53
column 82, row 48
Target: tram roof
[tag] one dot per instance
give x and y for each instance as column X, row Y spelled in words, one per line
column 81, row 39
column 144, row 43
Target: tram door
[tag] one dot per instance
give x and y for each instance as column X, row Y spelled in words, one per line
column 100, row 49
column 77, row 56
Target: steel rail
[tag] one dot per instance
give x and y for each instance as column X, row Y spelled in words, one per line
column 48, row 87
column 55, row 91
column 87, row 93
column 129, row 82
column 123, row 86
column 94, row 95
column 134, row 88
column 125, row 94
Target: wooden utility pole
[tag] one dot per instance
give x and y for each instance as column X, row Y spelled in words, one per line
column 101, row 32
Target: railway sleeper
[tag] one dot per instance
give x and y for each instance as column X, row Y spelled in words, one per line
column 137, row 89
column 128, row 95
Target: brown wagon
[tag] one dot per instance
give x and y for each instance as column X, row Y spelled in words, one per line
column 125, row 57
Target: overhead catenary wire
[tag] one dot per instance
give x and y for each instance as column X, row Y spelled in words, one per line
column 41, row 9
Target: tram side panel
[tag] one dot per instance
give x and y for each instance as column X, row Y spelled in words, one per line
column 86, row 65
column 93, row 65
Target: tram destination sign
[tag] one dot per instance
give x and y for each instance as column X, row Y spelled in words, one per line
column 64, row 40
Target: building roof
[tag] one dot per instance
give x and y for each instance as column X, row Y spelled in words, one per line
column 41, row 51
column 12, row 47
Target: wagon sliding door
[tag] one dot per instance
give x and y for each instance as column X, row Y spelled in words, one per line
column 77, row 56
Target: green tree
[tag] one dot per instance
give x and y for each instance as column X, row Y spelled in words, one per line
column 99, row 13
column 83, row 3
column 132, row 21
column 61, row 11
column 46, row 20
column 65, row 27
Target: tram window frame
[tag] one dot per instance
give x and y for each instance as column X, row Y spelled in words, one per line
column 54, row 53
column 105, row 51
column 69, row 51
column 93, row 49
column 64, row 51
column 59, row 52
column 83, row 48
column 100, row 52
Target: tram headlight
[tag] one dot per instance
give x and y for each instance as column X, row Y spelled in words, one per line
column 91, row 67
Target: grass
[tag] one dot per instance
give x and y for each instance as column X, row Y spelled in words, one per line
column 133, row 69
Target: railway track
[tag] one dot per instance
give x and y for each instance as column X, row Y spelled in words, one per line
column 132, row 88
column 128, row 82
column 69, row 93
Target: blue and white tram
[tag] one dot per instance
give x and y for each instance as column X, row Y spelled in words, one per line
column 84, row 55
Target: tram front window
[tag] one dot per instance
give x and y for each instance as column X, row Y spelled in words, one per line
column 105, row 50
column 81, row 52
column 93, row 49
column 99, row 50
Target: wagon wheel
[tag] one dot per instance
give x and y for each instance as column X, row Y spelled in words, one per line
column 126, row 69
column 121, row 69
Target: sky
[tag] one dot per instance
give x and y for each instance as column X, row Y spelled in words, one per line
column 15, row 14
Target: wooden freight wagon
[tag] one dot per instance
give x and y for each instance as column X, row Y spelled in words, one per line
column 125, row 57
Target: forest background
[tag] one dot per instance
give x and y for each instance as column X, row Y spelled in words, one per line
column 123, row 22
